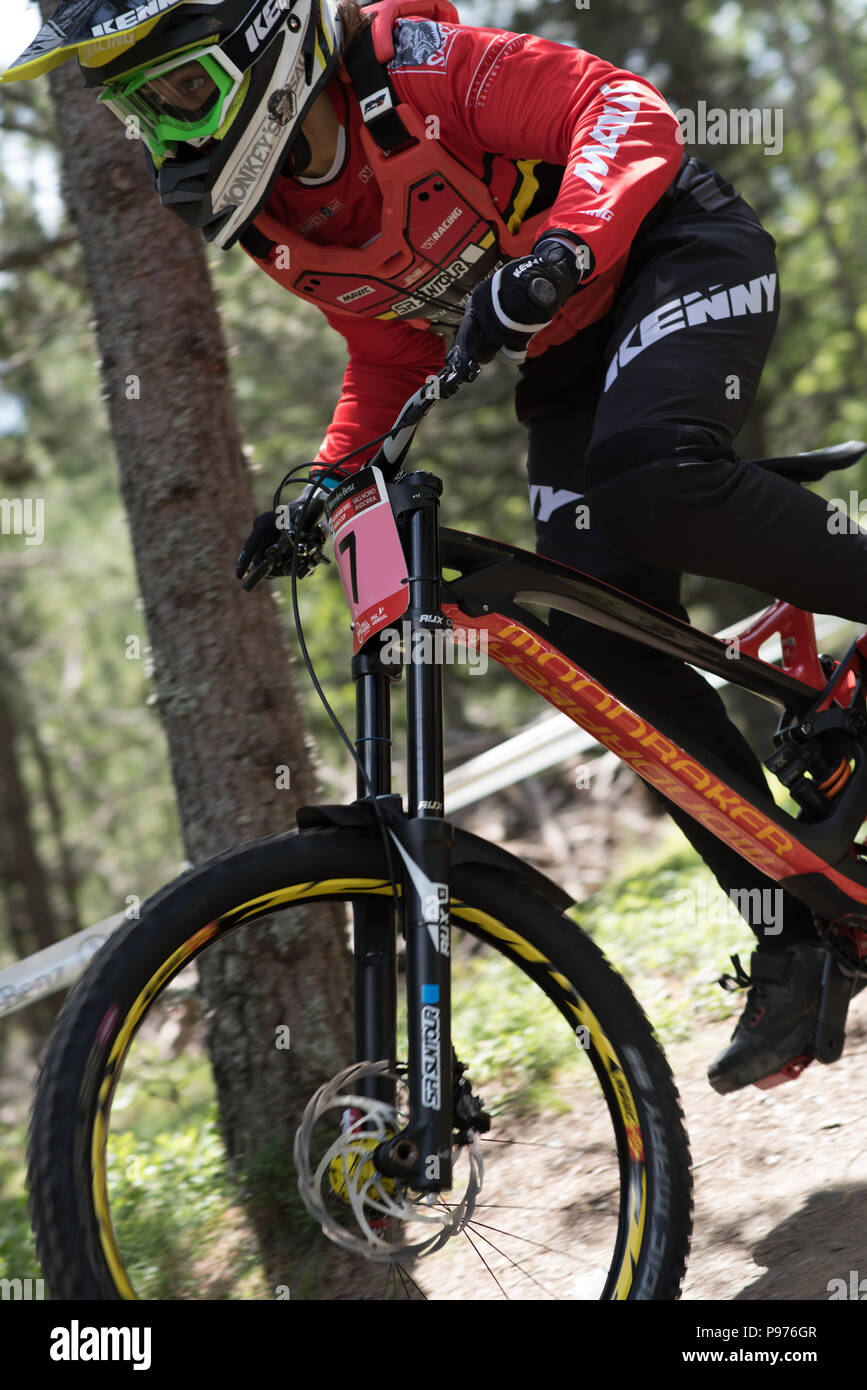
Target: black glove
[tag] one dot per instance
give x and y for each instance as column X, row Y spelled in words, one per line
column 518, row 300
column 267, row 531
column 263, row 535
column 270, row 527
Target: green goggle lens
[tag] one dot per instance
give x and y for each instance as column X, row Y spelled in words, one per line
column 185, row 101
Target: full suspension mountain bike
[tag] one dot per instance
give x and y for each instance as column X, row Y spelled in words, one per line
column 449, row 1155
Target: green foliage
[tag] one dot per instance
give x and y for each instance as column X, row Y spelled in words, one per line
column 180, row 1206
column 512, row 1039
column 17, row 1249
column 668, row 929
column 73, row 625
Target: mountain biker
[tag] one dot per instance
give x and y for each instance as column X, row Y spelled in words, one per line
column 415, row 177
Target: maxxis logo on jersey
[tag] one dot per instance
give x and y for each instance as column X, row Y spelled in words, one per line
column 319, row 218
column 618, row 114
column 757, row 296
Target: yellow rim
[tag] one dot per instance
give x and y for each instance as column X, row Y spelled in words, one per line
column 337, row 887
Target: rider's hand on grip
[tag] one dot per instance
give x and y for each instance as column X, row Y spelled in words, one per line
column 271, row 545
column 268, row 548
column 519, row 299
column 264, row 534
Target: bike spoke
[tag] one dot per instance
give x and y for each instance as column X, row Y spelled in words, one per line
column 485, row 1263
column 512, row 1235
column 407, row 1279
column 513, row 1263
column 525, row 1143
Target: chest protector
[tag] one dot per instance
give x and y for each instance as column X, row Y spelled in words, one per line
column 427, row 257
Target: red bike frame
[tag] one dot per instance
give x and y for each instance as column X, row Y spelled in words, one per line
column 817, row 861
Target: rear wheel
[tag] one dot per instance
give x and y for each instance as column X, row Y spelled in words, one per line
column 586, row 1190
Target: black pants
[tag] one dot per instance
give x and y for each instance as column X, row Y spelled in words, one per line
column 634, row 418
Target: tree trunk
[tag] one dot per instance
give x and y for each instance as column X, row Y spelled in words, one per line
column 223, row 681
column 66, row 876
column 839, row 62
column 31, row 919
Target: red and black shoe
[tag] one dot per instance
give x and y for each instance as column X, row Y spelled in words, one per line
column 776, row 1030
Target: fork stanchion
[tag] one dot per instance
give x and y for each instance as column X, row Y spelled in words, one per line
column 374, row 922
column 422, row 1152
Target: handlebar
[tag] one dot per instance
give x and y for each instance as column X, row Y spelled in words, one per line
column 309, row 537
column 393, row 450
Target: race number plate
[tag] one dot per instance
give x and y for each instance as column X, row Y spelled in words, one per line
column 369, row 553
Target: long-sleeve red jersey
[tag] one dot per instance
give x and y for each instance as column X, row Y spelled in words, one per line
column 602, row 146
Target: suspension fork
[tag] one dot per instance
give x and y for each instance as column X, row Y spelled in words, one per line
column 422, row 1152
column 374, row 921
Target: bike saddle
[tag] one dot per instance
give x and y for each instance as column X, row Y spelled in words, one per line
column 810, row 467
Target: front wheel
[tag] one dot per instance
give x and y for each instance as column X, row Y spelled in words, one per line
column 586, row 1190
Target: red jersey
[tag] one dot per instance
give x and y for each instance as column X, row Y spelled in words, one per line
column 542, row 126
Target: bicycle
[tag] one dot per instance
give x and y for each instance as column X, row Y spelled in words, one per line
column 400, row 1160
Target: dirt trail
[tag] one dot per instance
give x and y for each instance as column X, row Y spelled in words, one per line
column 780, row 1176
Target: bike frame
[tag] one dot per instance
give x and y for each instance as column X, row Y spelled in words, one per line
column 816, row 861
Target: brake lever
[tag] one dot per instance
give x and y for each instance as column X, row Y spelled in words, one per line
column 280, row 550
column 258, row 574
column 461, row 369
column 308, row 554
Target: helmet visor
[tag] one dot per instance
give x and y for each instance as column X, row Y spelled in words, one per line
column 183, row 98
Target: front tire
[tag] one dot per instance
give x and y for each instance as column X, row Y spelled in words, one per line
column 634, row 1182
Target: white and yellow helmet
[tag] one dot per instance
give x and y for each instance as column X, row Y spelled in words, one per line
column 216, row 90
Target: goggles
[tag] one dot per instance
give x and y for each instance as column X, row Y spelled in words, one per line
column 185, row 98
